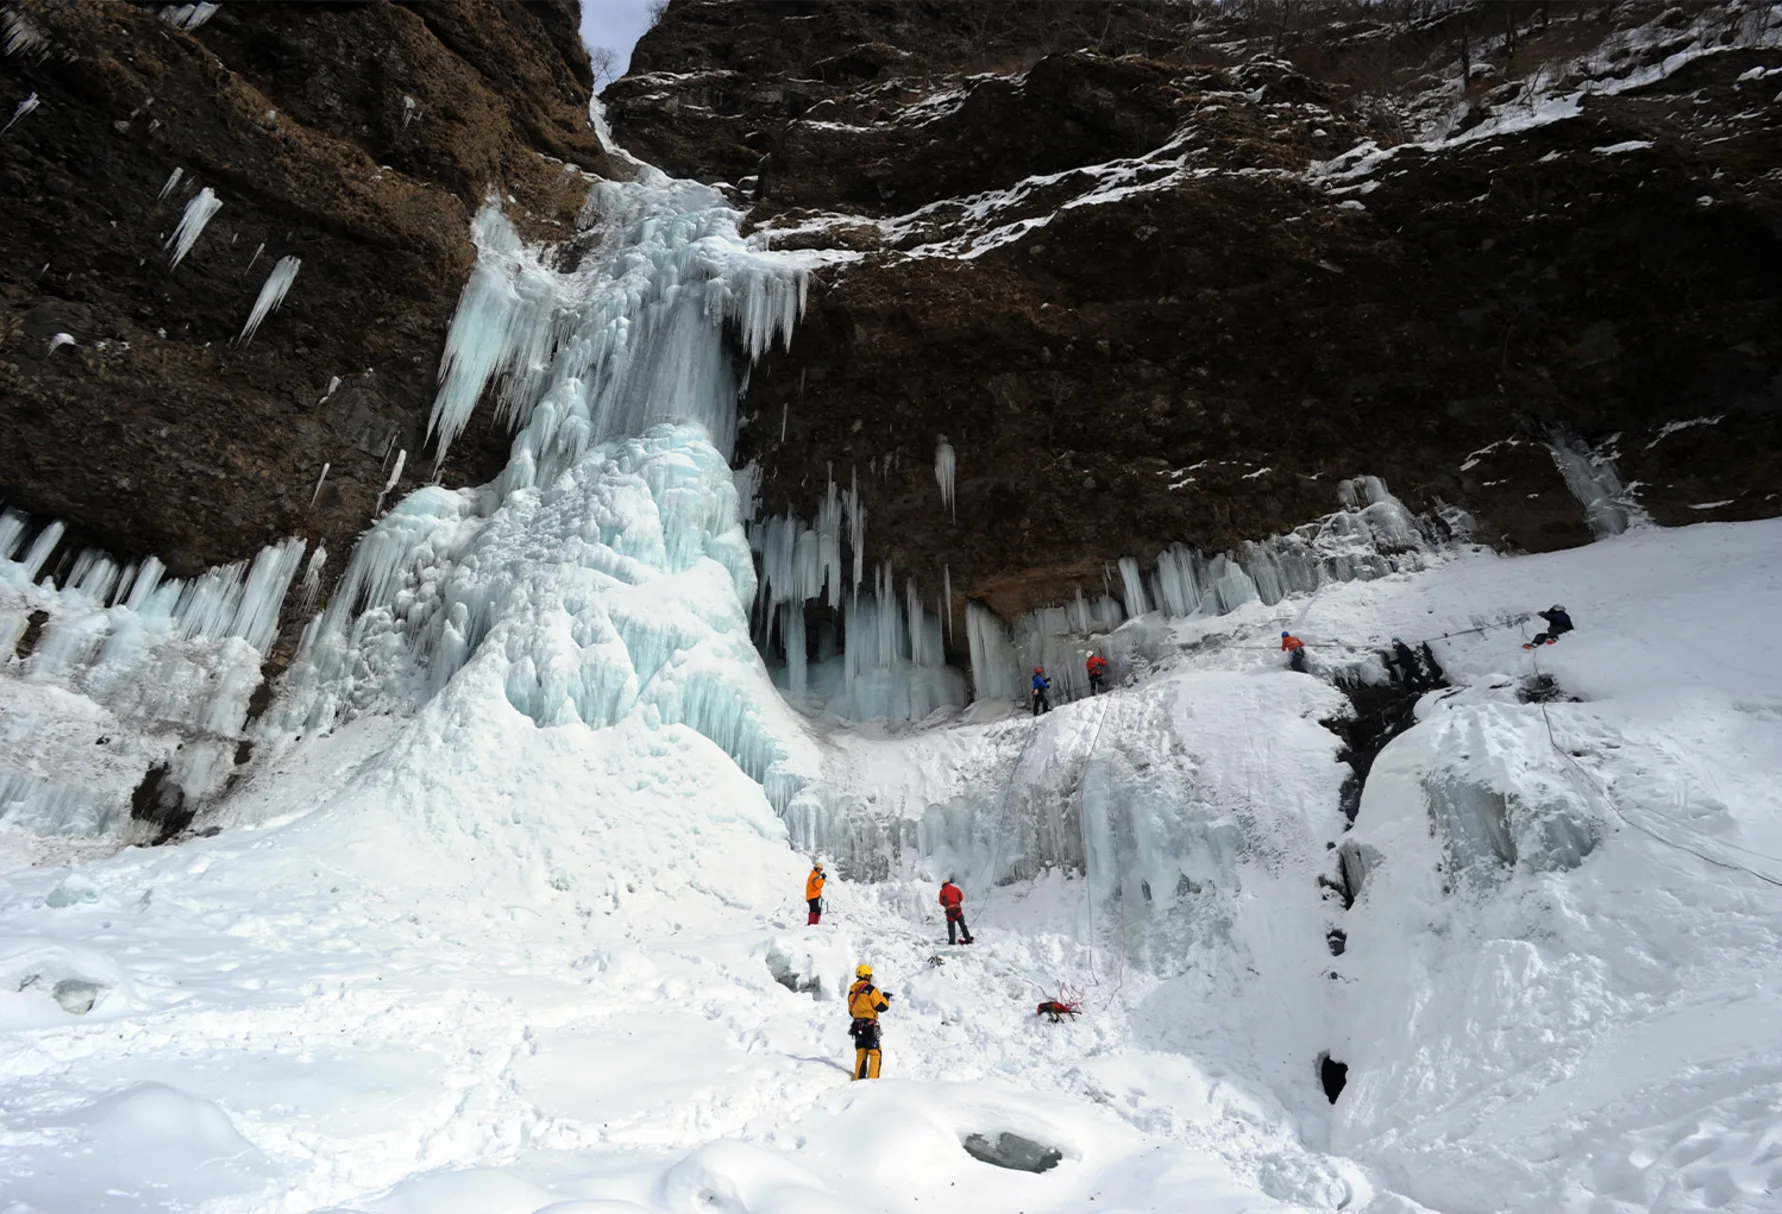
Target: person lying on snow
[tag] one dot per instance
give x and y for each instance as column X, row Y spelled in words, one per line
column 1558, row 624
column 865, row 1002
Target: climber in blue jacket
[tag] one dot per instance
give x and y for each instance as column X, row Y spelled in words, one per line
column 1042, row 701
column 1558, row 624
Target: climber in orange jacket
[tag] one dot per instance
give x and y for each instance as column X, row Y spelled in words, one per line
column 1296, row 651
column 813, row 893
column 865, row 1002
column 951, row 900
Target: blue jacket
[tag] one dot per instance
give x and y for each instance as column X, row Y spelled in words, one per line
column 1040, row 683
column 1557, row 621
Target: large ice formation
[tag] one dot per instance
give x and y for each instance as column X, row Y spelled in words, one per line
column 1371, row 534
column 605, row 573
column 121, row 668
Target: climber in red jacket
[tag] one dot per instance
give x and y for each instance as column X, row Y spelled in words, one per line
column 1098, row 670
column 951, row 901
column 1296, row 651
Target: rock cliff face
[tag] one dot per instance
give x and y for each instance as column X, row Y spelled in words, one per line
column 1168, row 272
column 357, row 138
column 1160, row 272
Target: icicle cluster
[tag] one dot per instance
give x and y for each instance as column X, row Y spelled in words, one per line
column 615, row 346
column 1373, row 534
column 189, row 17
column 174, row 659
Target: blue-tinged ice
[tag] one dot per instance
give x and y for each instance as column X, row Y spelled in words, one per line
column 605, row 574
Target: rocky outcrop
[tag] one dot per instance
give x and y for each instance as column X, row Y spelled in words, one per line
column 1167, row 273
column 356, row 138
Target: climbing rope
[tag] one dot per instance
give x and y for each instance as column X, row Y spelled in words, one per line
column 982, row 897
column 1609, row 800
column 1088, row 868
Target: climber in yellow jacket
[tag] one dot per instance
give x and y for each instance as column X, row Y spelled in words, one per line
column 813, row 893
column 865, row 1002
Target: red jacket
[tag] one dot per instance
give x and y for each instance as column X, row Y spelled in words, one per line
column 950, row 897
column 1097, row 665
column 1292, row 643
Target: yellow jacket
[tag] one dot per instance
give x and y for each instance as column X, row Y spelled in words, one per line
column 813, row 884
column 865, row 1002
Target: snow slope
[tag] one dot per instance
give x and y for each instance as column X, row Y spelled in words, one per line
column 460, row 961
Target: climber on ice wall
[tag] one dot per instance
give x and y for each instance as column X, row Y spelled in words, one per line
column 1098, row 671
column 1558, row 624
column 951, row 900
column 1296, row 651
column 1042, row 701
column 813, row 893
column 865, row 1002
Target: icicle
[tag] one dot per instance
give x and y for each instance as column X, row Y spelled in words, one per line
column 188, row 17
column 312, row 581
column 60, row 340
column 333, row 385
column 318, row 490
column 395, row 476
column 198, row 212
column 272, row 294
column 947, row 593
column 172, row 182
column 856, row 528
column 408, row 110
column 1133, row 582
column 258, row 249
column 943, row 472
column 21, row 33
column 24, row 107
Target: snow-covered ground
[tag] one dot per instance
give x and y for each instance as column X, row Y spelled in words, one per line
column 458, row 961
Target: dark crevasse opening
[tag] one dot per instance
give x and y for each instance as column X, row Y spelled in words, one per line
column 1333, row 1075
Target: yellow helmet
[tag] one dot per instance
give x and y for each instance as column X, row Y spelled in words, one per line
column 863, row 971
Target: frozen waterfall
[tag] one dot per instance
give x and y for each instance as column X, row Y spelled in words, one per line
column 605, row 574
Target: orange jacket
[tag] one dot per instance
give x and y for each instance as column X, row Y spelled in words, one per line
column 813, row 884
column 1097, row 665
column 1292, row 643
column 950, row 897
